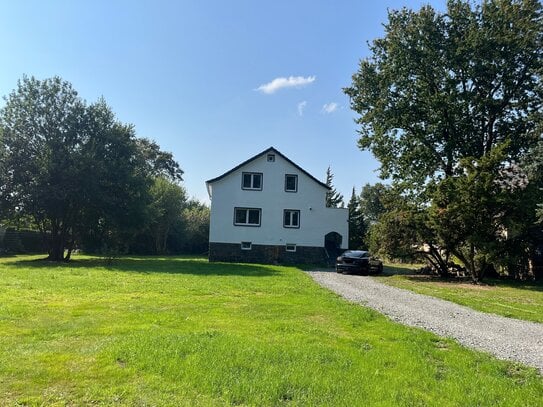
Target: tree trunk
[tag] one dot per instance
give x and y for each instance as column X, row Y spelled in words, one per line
column 468, row 259
column 56, row 251
column 165, row 240
column 473, row 269
column 56, row 243
column 70, row 249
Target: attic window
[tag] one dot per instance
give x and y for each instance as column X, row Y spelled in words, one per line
column 291, row 183
column 271, row 158
column 251, row 180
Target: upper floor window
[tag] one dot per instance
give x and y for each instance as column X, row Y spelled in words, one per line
column 291, row 218
column 291, row 183
column 251, row 180
column 247, row 216
column 271, row 158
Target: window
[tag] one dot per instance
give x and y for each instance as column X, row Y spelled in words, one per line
column 291, row 183
column 251, row 180
column 271, row 158
column 291, row 218
column 289, row 247
column 245, row 245
column 247, row 216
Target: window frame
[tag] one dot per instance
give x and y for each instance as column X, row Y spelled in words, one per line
column 291, row 211
column 270, row 158
column 247, row 216
column 295, row 183
column 293, row 245
column 250, row 244
column 252, row 174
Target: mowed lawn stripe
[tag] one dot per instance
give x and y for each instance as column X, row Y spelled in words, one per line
column 182, row 331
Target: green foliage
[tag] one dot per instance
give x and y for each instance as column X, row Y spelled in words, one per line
column 4, row 206
column 158, row 163
column 441, row 87
column 185, row 332
column 195, row 223
column 513, row 299
column 474, row 214
column 449, row 103
column 21, row 241
column 357, row 223
column 167, row 202
column 11, row 242
column 79, row 174
column 180, row 226
column 398, row 233
column 373, row 201
column 333, row 198
column 534, row 169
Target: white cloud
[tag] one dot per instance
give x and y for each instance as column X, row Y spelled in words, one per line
column 290, row 82
column 329, row 107
column 301, row 107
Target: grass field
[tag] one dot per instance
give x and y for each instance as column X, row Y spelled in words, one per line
column 181, row 331
column 515, row 299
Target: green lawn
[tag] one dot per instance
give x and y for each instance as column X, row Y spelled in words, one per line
column 181, row 331
column 515, row 299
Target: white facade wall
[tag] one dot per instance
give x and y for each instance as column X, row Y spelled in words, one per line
column 315, row 219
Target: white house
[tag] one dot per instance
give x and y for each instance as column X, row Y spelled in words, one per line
column 270, row 210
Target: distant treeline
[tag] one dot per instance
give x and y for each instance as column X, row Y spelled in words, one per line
column 183, row 238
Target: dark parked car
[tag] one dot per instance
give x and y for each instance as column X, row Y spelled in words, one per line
column 358, row 261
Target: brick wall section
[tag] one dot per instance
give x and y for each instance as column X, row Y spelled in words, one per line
column 264, row 254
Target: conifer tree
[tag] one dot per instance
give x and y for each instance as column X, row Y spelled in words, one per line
column 333, row 198
column 357, row 224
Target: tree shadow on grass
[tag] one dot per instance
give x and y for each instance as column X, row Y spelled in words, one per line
column 152, row 265
column 409, row 274
column 389, row 270
column 522, row 285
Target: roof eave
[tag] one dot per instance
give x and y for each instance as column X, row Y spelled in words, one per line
column 270, row 149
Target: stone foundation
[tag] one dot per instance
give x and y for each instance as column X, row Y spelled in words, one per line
column 266, row 254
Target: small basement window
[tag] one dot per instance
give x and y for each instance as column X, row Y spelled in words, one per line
column 290, row 247
column 271, row 158
column 246, row 245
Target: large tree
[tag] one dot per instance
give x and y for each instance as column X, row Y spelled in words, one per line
column 440, row 87
column 445, row 96
column 74, row 169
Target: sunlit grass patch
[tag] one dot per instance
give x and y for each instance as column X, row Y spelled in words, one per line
column 515, row 299
column 182, row 331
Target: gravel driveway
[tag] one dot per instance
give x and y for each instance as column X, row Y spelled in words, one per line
column 505, row 338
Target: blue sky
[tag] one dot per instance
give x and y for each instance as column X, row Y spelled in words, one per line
column 198, row 76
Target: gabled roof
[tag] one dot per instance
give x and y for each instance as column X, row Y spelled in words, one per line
column 267, row 151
